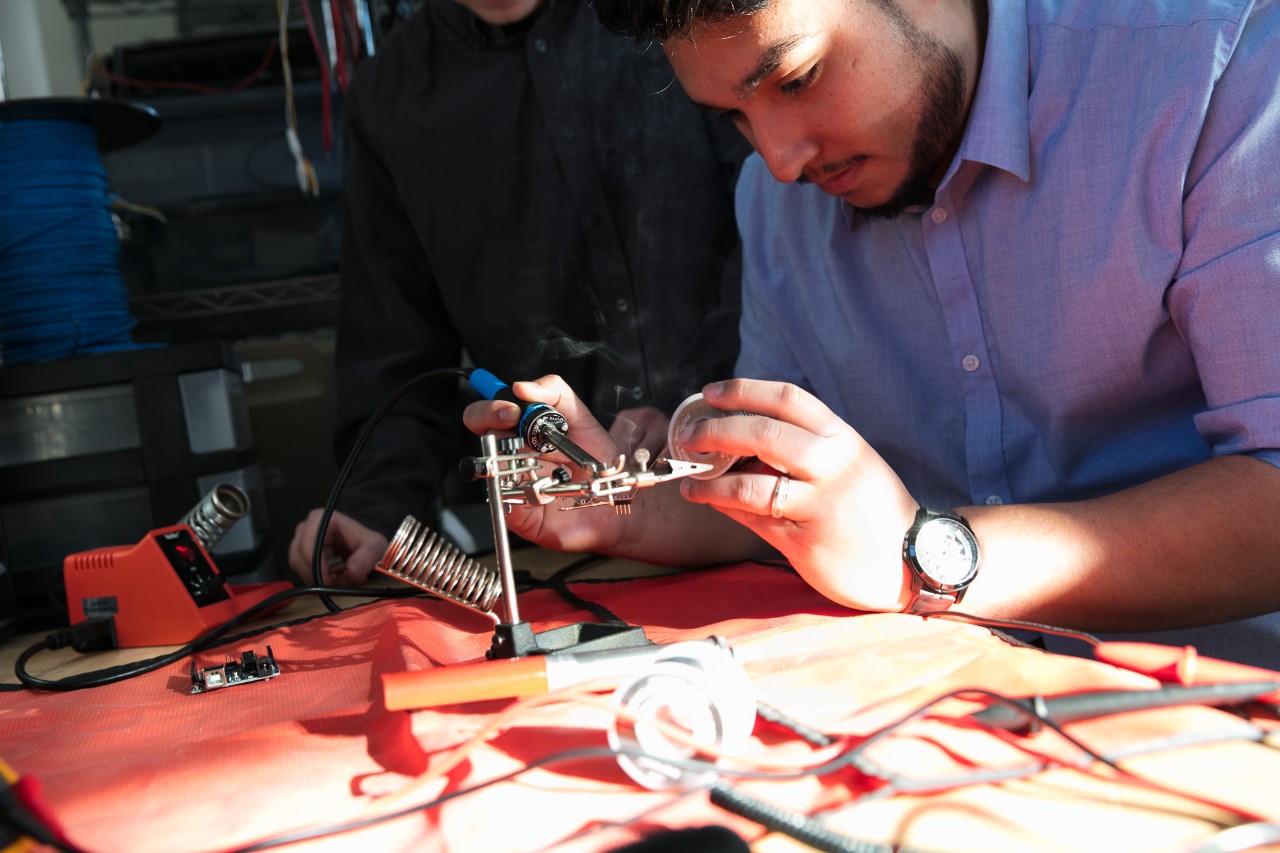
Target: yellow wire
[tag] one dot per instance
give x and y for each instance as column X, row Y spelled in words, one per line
column 291, row 115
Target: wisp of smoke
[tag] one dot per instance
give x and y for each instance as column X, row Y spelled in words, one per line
column 555, row 345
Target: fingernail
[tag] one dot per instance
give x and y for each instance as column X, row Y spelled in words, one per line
column 508, row 415
column 715, row 389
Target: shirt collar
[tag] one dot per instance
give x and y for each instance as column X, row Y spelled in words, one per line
column 998, row 132
column 478, row 34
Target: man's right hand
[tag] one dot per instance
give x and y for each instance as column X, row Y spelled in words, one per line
column 662, row 527
column 595, row 530
column 350, row 549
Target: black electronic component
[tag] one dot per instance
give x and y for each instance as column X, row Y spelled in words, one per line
column 250, row 667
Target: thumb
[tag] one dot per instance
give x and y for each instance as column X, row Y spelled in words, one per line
column 361, row 561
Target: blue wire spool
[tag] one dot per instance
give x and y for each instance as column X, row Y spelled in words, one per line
column 61, row 291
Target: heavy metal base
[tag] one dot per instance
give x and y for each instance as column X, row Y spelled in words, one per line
column 519, row 640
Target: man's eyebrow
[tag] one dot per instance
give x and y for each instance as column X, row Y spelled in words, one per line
column 768, row 63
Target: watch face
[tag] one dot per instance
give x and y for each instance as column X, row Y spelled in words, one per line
column 946, row 553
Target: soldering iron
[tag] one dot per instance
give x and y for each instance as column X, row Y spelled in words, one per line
column 542, row 427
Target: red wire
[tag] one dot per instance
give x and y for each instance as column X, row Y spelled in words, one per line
column 195, row 87
column 326, row 104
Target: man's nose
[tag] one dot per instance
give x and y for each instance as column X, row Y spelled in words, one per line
column 787, row 147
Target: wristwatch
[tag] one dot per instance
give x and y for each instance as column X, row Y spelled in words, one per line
column 942, row 556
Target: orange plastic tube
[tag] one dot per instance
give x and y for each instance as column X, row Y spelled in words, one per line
column 469, row 682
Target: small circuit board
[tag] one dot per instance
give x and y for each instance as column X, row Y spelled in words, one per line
column 250, row 667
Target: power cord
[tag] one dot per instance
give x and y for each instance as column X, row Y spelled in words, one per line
column 99, row 634
column 317, row 558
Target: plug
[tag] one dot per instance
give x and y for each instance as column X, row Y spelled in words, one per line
column 91, row 635
column 95, row 635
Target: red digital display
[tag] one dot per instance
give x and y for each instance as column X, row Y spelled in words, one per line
column 194, row 570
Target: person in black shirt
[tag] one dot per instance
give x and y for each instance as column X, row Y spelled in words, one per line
column 523, row 186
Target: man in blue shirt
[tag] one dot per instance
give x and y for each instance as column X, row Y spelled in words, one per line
column 1014, row 261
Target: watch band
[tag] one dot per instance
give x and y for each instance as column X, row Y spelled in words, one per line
column 928, row 601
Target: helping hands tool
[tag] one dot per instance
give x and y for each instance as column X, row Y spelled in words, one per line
column 515, row 475
column 543, row 430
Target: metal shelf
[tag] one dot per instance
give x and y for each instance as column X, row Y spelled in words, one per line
column 236, row 311
column 247, row 297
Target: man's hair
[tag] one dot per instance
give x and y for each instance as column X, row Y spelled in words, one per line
column 663, row 19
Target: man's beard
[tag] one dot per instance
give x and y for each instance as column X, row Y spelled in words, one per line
column 940, row 124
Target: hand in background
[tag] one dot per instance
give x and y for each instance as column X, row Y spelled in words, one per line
column 644, row 427
column 350, row 549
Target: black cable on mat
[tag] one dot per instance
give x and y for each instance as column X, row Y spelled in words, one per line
column 564, row 572
column 805, row 732
column 795, row 824
column 317, row 560
column 730, row 799
column 1014, row 624
column 557, row 582
column 213, row 637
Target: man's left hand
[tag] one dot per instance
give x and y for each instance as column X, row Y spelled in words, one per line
column 822, row 496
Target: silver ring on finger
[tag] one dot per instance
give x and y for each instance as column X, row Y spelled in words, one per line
column 778, row 504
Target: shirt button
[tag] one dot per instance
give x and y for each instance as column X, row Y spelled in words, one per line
column 638, row 392
column 939, row 215
column 994, row 500
column 622, row 304
column 567, row 132
column 970, row 362
column 540, row 45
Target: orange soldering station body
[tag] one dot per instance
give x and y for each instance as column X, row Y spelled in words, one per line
column 164, row 590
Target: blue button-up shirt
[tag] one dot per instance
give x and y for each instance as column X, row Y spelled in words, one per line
column 1093, row 298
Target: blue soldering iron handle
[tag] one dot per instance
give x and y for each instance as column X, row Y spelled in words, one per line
column 536, row 419
column 491, row 387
